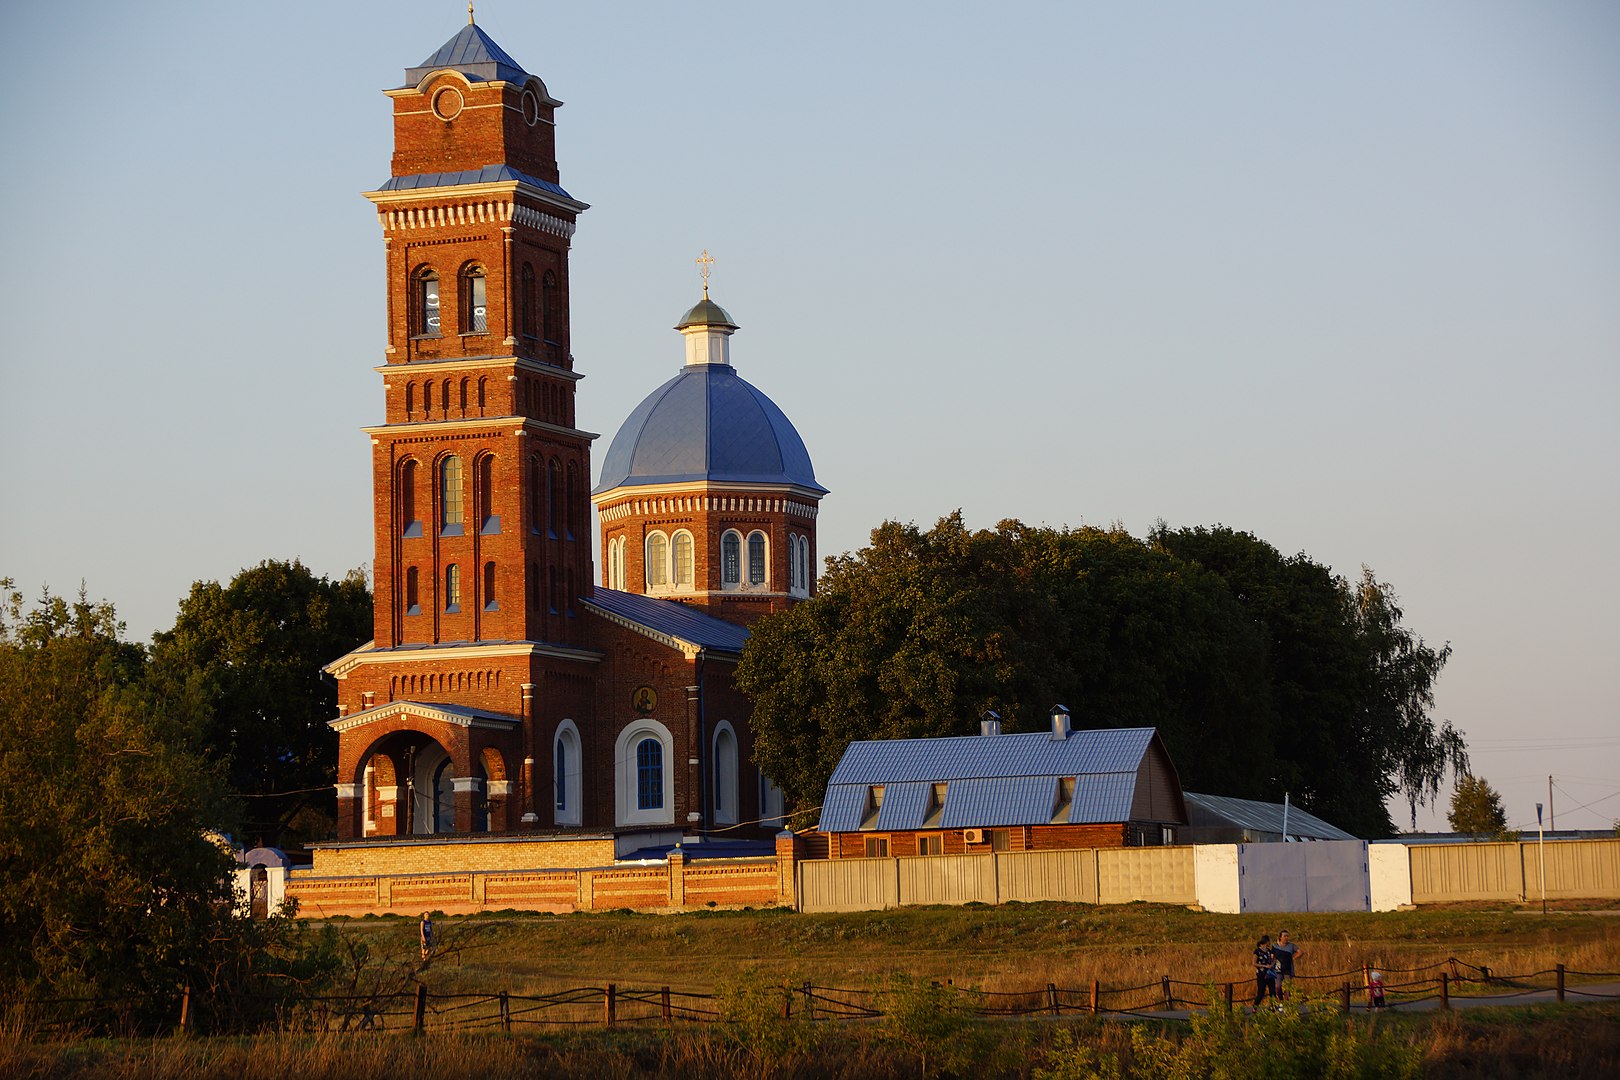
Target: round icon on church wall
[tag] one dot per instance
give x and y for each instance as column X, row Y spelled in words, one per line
column 447, row 103
column 644, row 700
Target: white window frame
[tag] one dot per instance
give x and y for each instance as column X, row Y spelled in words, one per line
column 727, row 585
column 660, row 583
column 765, row 563
column 727, row 792
column 626, row 775
column 676, row 584
column 569, row 812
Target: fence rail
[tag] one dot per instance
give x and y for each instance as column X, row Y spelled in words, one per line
column 421, row 1010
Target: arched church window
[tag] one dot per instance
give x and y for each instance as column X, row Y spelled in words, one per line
column 413, row 604
column 489, row 588
column 683, row 558
column 474, row 310
column 528, row 315
column 730, row 560
column 427, row 322
column 571, row 511
column 452, row 588
column 725, row 775
column 427, row 399
column 657, row 561
column 410, row 399
column 756, row 558
column 649, row 774
column 450, row 509
column 464, row 396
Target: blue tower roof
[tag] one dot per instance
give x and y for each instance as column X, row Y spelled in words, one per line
column 473, row 53
column 707, row 423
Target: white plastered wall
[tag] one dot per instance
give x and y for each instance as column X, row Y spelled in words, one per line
column 1389, row 873
column 1215, row 877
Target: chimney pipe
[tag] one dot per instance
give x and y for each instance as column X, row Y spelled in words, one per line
column 990, row 723
column 1060, row 723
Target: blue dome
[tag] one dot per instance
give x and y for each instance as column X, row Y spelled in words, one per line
column 707, row 423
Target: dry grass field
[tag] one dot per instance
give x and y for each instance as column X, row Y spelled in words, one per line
column 1010, row 948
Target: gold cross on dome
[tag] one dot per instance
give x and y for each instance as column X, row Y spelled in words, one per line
column 705, row 265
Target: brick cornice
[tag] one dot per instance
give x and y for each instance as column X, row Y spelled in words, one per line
column 468, row 204
column 480, row 425
column 368, row 654
column 706, row 496
column 491, row 721
column 479, row 363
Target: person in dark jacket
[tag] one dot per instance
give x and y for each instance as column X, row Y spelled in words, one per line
column 1265, row 970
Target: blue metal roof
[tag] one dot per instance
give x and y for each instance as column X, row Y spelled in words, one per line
column 707, row 423
column 473, row 53
column 990, row 780
column 671, row 619
column 892, row 761
column 489, row 174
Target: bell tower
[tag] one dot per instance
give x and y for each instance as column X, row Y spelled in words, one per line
column 480, row 477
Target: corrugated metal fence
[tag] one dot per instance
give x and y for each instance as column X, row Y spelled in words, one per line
column 1439, row 873
column 1444, row 873
column 1088, row 875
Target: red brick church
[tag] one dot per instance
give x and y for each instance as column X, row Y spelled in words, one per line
column 517, row 684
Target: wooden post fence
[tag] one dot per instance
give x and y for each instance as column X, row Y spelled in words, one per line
column 1096, row 993
column 663, row 1001
column 809, row 1003
column 185, row 1010
column 1344, row 999
column 1229, row 992
column 506, row 1012
column 1169, row 998
column 1052, row 998
column 787, row 1001
column 1445, row 990
column 610, row 1004
column 1560, row 982
column 419, row 1019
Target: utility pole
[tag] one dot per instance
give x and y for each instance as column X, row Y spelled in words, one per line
column 1552, row 816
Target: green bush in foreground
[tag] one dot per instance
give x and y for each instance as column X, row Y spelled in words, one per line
column 1310, row 1043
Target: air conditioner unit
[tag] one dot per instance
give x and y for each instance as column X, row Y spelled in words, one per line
column 973, row 836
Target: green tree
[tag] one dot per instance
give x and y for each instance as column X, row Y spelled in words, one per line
column 1476, row 808
column 109, row 882
column 252, row 651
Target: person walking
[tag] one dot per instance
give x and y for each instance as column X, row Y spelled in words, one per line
column 1286, row 953
column 1265, row 969
column 427, row 935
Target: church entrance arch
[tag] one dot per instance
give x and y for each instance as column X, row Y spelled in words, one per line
column 409, row 782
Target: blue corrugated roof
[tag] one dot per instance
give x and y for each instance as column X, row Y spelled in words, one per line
column 904, row 806
column 990, row 781
column 473, row 53
column 671, row 619
column 488, row 174
column 1096, row 750
column 707, row 423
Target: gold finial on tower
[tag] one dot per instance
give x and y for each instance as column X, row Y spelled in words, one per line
column 469, row 13
column 705, row 263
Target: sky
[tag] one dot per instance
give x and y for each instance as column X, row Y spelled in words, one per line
column 1343, row 276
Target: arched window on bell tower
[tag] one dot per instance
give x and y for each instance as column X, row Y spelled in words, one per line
column 551, row 314
column 450, row 495
column 731, row 560
column 426, row 321
column 474, row 305
column 409, row 524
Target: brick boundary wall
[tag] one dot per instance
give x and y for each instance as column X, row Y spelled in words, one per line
column 679, row 884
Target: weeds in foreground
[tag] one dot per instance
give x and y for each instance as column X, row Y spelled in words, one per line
column 1298, row 1044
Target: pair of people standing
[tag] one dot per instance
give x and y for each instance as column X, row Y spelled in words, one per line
column 1273, row 966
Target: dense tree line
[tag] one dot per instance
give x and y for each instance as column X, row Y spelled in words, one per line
column 122, row 769
column 1264, row 673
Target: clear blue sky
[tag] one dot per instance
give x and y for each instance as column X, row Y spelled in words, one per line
column 1345, row 277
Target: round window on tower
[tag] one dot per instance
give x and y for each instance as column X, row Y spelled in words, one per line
column 531, row 107
column 447, row 103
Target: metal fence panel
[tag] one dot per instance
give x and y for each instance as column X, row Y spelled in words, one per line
column 1160, row 875
column 947, row 879
column 1048, row 875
